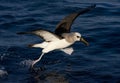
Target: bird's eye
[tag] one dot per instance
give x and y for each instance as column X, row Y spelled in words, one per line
column 78, row 36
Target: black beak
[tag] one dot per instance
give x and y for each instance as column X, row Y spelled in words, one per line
column 84, row 41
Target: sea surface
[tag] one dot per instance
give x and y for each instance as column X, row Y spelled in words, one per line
column 97, row 63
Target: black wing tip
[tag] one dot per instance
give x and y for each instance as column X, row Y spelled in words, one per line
column 21, row 33
column 30, row 45
column 89, row 8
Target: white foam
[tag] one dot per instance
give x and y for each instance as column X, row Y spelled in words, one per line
column 3, row 73
column 3, row 55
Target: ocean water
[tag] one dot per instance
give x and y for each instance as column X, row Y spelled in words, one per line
column 97, row 63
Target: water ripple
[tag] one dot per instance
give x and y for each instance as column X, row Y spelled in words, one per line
column 98, row 63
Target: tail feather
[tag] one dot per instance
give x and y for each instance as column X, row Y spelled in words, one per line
column 39, row 45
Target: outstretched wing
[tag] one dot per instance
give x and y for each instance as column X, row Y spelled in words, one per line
column 44, row 34
column 65, row 25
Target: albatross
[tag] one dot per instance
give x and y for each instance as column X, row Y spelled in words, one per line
column 61, row 38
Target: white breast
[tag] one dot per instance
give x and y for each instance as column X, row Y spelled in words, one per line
column 56, row 45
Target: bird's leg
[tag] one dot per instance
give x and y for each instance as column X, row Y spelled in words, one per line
column 35, row 61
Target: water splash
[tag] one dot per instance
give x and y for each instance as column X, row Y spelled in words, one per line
column 3, row 73
column 26, row 63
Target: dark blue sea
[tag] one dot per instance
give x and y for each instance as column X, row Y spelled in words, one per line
column 97, row 63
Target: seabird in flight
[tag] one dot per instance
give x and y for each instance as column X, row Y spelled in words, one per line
column 61, row 38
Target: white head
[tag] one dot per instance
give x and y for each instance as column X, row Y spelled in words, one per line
column 73, row 37
column 77, row 37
